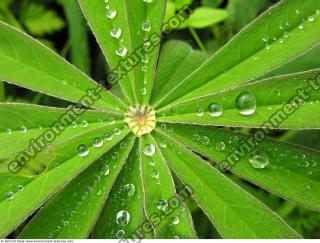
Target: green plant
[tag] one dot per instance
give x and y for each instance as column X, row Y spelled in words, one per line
column 151, row 124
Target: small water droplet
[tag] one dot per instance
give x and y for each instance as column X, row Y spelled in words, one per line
column 98, row 142
column 311, row 18
column 246, row 103
column 147, row 1
column 120, row 234
column 116, row 32
column 220, row 146
column 9, row 131
column 301, row 26
column 122, row 51
column 162, row 205
column 9, row 195
column 84, row 123
column 130, row 189
column 297, row 11
column 117, row 131
column 155, row 174
column 20, row 188
column 23, row 129
column 149, row 150
column 175, row 220
column 108, row 136
column 146, row 26
column 123, row 218
column 205, row 140
column 215, row 109
column 105, row 170
column 83, row 150
column 143, row 91
column 163, row 144
column 200, row 112
column 259, row 159
column 111, row 13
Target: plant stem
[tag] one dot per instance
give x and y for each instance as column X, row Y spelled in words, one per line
column 197, row 39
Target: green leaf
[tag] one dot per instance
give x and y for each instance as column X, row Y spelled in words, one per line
column 83, row 199
column 169, row 219
column 127, row 194
column 235, row 212
column 137, row 81
column 39, row 20
column 273, row 39
column 292, row 171
column 283, row 102
column 66, row 165
column 21, row 123
column 78, row 35
column 204, row 17
column 29, row 64
column 169, row 73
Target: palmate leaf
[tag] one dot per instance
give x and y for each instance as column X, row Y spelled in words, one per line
column 292, row 172
column 114, row 17
column 82, row 199
column 28, row 63
column 274, row 38
column 19, row 123
column 66, row 165
column 268, row 104
column 235, row 212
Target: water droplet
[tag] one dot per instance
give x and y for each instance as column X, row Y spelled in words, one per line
column 200, row 112
column 20, row 188
column 297, row 11
column 83, row 150
column 74, row 124
column 112, row 121
column 175, row 220
column 143, row 91
column 205, row 140
column 162, row 205
column 311, row 18
column 117, row 131
column 108, row 136
column 246, row 103
column 120, row 234
column 152, row 162
column 215, row 109
column 23, row 129
column 155, row 174
column 123, row 218
column 148, row 1
column 115, row 155
column 9, row 131
column 163, row 144
column 301, row 26
column 149, row 150
column 220, row 146
column 84, row 123
column 259, row 159
column 318, row 11
column 116, row 32
column 285, row 34
column 9, row 195
column 111, row 13
column 146, row 25
column 105, row 170
column 122, row 51
column 98, row 142
column 130, row 189
column 268, row 47
column 145, row 59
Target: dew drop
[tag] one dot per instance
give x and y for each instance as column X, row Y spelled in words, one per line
column 205, row 140
column 259, row 159
column 155, row 174
column 84, row 123
column 146, row 26
column 83, row 150
column 147, row 1
column 23, row 129
column 9, row 195
column 220, row 146
column 112, row 121
column 123, row 218
column 20, row 188
column 311, row 19
column 120, row 234
column 143, row 91
column 111, row 13
column 162, row 205
column 301, row 26
column 149, row 150
column 116, row 32
column 246, row 103
column 130, row 189
column 9, row 131
column 200, row 112
column 175, row 220
column 163, row 144
column 122, row 51
column 215, row 109
column 108, row 136
column 98, row 142
column 116, row 131
column 105, row 170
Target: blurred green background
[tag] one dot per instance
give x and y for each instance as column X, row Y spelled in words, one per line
column 60, row 25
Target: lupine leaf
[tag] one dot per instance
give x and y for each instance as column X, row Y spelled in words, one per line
column 28, row 63
column 292, row 171
column 271, row 40
column 235, row 213
column 268, row 98
column 82, row 199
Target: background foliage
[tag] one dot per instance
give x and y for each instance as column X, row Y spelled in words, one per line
column 60, row 25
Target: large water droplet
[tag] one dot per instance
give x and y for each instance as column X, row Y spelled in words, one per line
column 83, row 150
column 259, row 159
column 246, row 103
column 123, row 218
column 149, row 150
column 111, row 13
column 215, row 109
column 130, row 189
